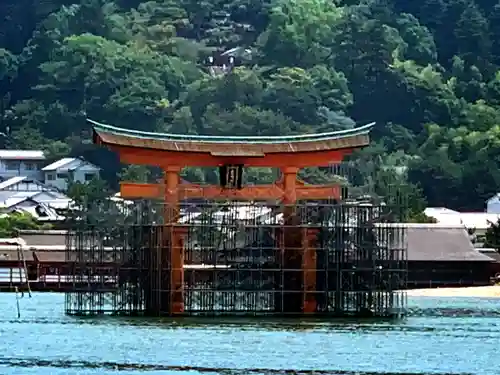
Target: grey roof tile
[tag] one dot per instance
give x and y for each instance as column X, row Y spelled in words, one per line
column 438, row 243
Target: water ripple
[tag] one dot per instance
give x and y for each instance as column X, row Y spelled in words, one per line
column 439, row 336
column 115, row 366
column 454, row 312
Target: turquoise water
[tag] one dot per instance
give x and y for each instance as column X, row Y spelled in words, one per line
column 440, row 336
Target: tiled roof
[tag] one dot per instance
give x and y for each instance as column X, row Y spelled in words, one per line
column 362, row 130
column 441, row 243
column 251, row 146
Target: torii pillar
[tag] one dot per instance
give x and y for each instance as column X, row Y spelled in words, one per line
column 174, row 238
column 297, row 247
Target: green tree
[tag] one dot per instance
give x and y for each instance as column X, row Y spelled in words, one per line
column 492, row 236
column 11, row 223
column 427, row 72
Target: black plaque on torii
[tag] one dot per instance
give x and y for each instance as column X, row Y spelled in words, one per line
column 231, row 176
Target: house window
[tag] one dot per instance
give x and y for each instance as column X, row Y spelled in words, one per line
column 50, row 177
column 62, row 176
column 89, row 176
column 12, row 165
column 29, row 166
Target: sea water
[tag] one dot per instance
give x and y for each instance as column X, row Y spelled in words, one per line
column 439, row 336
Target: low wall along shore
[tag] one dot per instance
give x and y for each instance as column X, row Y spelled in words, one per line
column 477, row 291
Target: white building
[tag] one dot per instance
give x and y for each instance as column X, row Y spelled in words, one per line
column 476, row 222
column 479, row 221
column 43, row 206
column 27, row 163
column 18, row 189
column 42, row 202
column 59, row 173
column 493, row 204
column 23, row 183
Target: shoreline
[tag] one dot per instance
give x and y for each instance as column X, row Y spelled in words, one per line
column 492, row 291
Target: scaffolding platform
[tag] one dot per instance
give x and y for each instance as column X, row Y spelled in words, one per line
column 248, row 259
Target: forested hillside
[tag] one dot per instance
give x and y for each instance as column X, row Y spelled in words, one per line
column 428, row 72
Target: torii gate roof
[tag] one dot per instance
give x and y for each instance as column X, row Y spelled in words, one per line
column 232, row 146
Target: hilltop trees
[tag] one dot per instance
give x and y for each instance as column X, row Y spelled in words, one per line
column 427, row 73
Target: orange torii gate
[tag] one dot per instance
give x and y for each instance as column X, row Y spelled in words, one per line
column 172, row 152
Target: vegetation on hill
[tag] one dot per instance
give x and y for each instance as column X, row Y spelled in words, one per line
column 428, row 72
column 11, row 224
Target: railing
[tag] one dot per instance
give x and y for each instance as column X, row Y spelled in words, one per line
column 12, row 278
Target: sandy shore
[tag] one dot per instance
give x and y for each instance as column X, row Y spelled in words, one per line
column 478, row 291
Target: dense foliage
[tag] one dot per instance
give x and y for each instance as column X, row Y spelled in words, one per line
column 428, row 72
column 492, row 236
column 10, row 224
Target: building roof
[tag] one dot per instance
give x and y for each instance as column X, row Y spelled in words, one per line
column 51, row 199
column 55, row 254
column 13, row 241
column 434, row 242
column 61, row 163
column 496, row 196
column 64, row 164
column 9, row 252
column 42, row 254
column 492, row 253
column 12, row 197
column 6, row 185
column 11, row 181
column 469, row 220
column 41, row 212
column 432, row 211
column 246, row 146
column 9, row 194
column 44, row 237
column 22, row 155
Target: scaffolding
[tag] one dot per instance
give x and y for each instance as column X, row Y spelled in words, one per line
column 335, row 259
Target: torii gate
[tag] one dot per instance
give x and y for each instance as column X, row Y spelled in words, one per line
column 172, row 152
